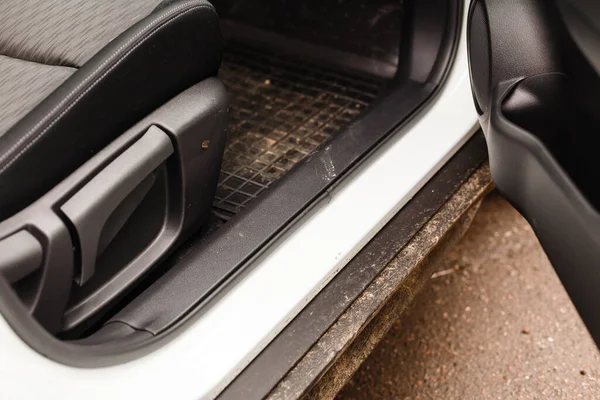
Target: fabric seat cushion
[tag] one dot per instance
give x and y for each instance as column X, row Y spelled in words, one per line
column 105, row 66
column 23, row 84
column 65, row 32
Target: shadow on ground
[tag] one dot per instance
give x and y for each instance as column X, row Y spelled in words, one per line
column 494, row 322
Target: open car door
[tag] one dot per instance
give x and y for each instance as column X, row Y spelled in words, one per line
column 535, row 73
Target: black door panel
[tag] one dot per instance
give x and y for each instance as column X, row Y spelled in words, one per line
column 537, row 90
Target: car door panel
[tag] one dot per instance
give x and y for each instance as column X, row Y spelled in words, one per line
column 536, row 89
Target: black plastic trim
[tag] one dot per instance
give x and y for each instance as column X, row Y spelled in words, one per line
column 540, row 115
column 20, row 255
column 187, row 123
column 89, row 208
column 280, row 356
column 319, row 54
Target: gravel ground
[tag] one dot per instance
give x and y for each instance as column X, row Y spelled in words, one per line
column 495, row 322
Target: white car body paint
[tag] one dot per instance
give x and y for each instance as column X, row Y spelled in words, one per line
column 203, row 359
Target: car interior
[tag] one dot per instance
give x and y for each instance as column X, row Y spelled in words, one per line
column 149, row 149
column 535, row 74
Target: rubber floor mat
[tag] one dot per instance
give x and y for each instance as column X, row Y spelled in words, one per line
column 281, row 111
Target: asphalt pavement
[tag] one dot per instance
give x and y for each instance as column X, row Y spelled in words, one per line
column 493, row 323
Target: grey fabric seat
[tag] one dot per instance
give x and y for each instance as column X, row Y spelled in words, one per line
column 75, row 74
column 23, row 84
column 42, row 43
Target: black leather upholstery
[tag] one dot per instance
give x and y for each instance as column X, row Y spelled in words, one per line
column 176, row 46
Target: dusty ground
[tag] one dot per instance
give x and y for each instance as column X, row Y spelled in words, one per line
column 495, row 322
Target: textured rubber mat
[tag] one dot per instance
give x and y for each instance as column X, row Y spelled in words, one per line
column 281, row 111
